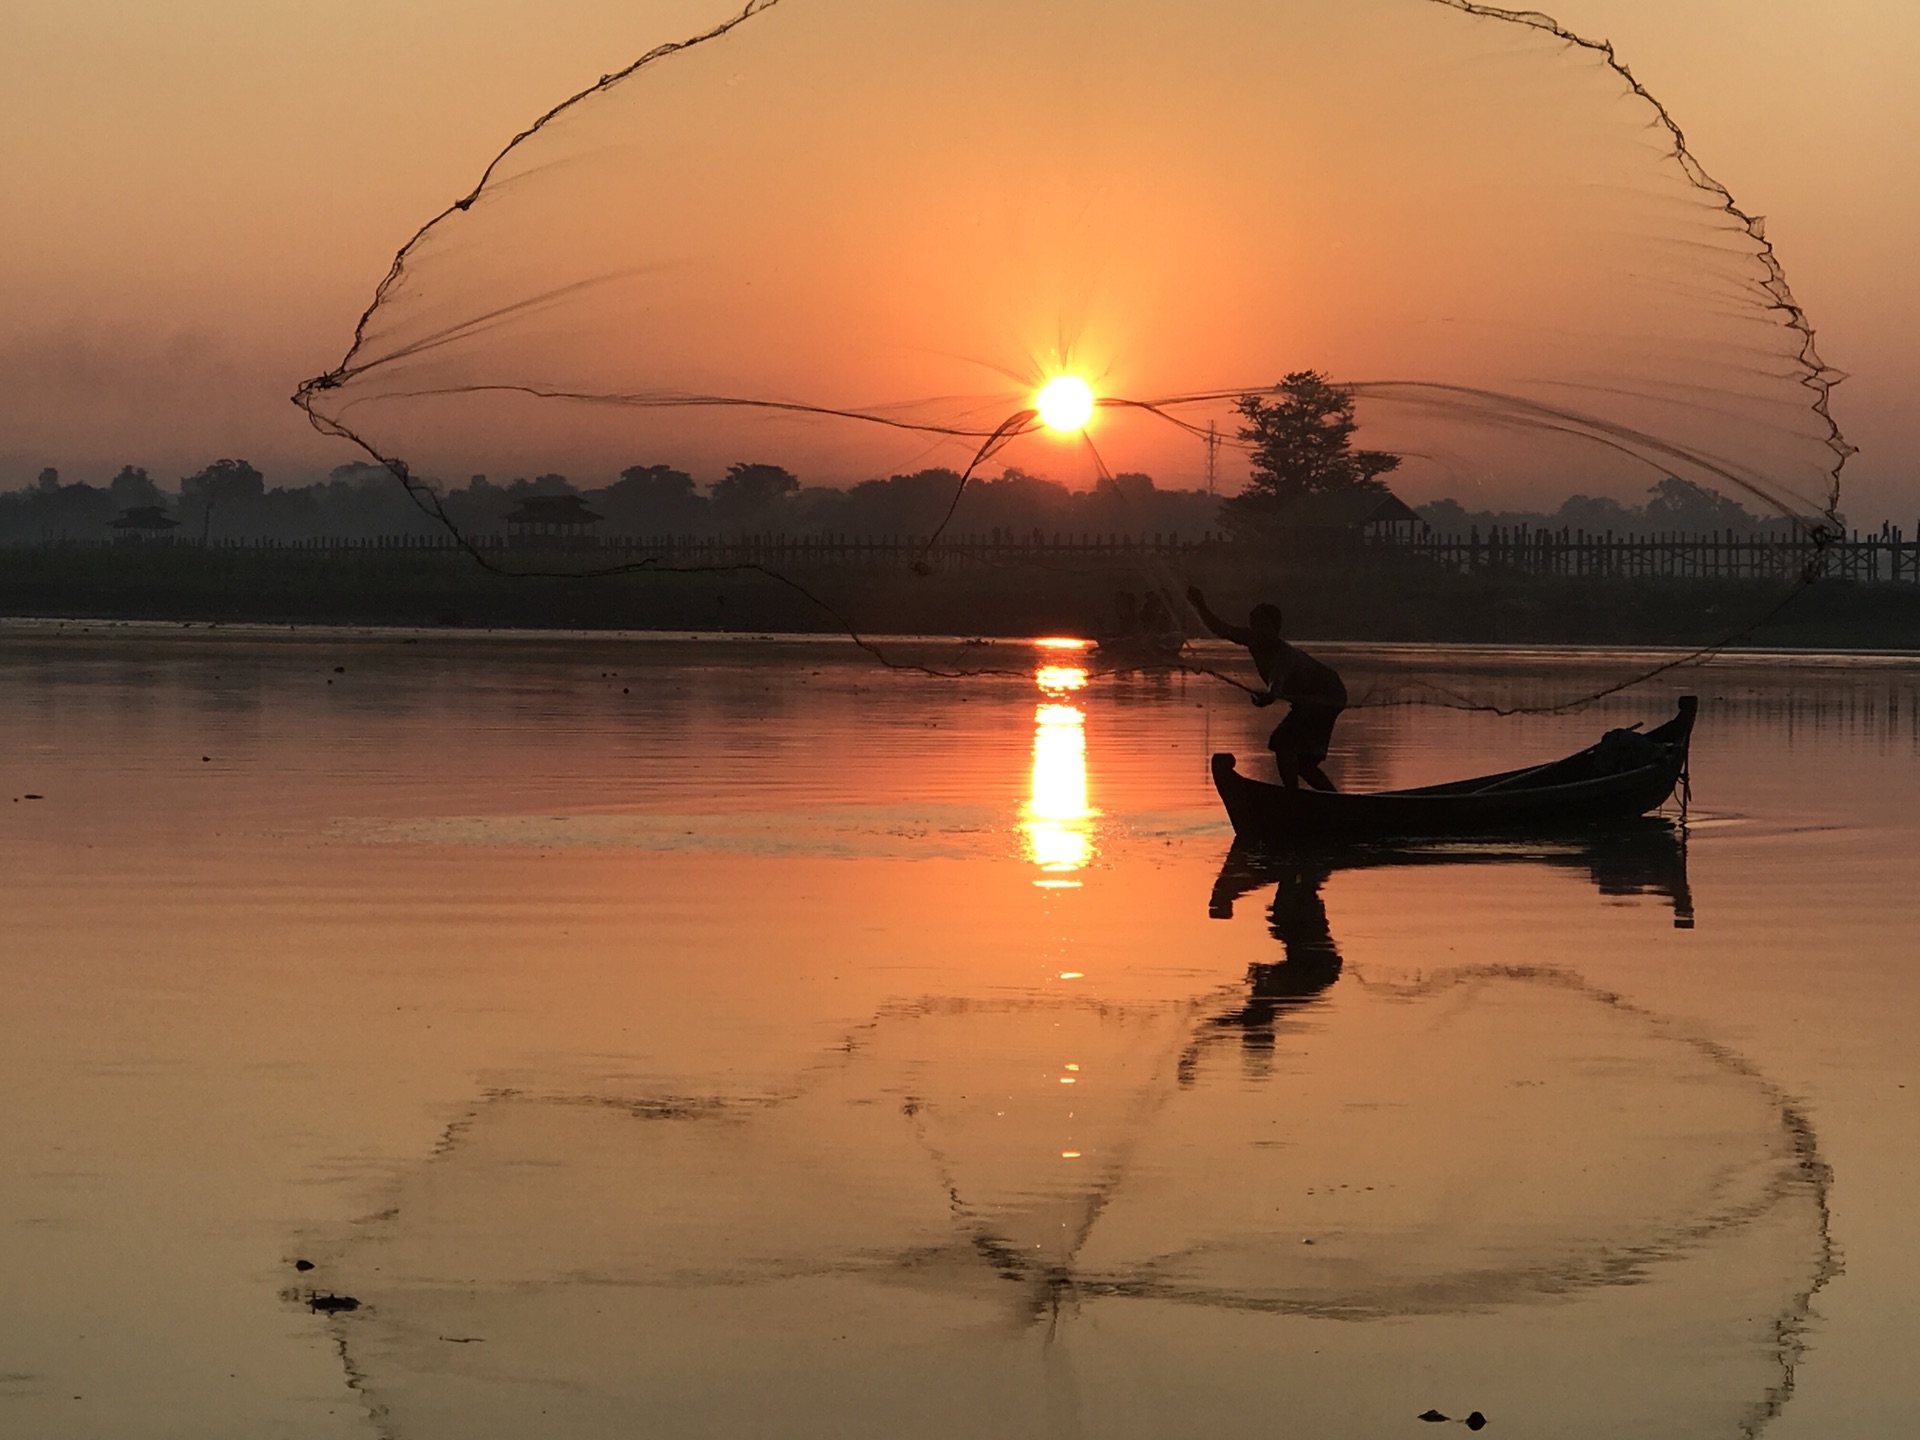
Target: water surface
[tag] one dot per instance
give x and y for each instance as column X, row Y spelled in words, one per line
column 683, row 1037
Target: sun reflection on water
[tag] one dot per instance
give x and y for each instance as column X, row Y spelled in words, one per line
column 1058, row 822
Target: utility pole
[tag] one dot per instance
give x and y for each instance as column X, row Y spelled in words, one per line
column 1213, row 456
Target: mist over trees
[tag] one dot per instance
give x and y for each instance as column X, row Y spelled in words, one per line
column 231, row 500
column 1673, row 506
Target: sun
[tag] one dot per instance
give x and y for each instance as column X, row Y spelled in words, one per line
column 1065, row 403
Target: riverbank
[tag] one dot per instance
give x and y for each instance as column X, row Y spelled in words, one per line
column 1369, row 601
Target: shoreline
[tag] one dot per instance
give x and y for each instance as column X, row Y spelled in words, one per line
column 1376, row 651
column 1328, row 604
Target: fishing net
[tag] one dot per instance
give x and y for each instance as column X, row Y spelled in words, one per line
column 859, row 238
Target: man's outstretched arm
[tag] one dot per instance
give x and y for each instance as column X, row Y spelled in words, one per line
column 1238, row 634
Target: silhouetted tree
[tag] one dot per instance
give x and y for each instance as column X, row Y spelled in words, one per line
column 1302, row 443
column 551, row 483
column 751, row 491
column 899, row 505
column 47, row 510
column 223, row 485
column 654, row 485
column 479, row 507
column 1129, row 488
column 1676, row 504
column 133, row 488
column 1672, row 505
column 651, row 499
column 1597, row 514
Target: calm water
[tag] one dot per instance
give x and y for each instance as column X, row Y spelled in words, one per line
column 677, row 1038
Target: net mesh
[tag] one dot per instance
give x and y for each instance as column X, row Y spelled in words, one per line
column 856, row 238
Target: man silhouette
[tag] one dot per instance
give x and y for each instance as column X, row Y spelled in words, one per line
column 1155, row 618
column 1313, row 691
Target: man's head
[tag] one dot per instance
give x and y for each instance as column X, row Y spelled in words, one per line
column 1264, row 620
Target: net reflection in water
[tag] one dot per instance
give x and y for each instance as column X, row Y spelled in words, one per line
column 1484, row 1182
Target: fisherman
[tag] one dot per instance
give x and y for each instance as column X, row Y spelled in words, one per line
column 1313, row 692
column 1155, row 618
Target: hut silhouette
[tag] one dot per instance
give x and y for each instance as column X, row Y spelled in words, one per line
column 548, row 522
column 143, row 523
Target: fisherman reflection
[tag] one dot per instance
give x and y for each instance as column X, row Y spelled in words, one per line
column 1297, row 918
column 1631, row 859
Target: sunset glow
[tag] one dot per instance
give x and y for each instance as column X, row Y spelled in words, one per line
column 531, row 540
column 1065, row 403
column 1057, row 820
column 1059, row 679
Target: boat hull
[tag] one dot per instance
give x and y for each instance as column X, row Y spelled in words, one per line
column 1611, row 780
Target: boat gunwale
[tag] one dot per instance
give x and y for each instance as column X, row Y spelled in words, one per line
column 1261, row 810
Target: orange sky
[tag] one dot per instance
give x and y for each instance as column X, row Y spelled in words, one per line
column 202, row 195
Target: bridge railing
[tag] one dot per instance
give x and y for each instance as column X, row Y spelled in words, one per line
column 1885, row 556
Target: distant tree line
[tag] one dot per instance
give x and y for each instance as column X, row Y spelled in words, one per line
column 1298, row 437
column 1673, row 506
column 226, row 499
column 1300, row 444
column 230, row 499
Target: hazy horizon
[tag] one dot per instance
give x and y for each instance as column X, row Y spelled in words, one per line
column 206, row 199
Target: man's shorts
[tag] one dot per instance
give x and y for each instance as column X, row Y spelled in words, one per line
column 1306, row 731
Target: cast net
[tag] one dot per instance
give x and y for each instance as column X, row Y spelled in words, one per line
column 851, row 239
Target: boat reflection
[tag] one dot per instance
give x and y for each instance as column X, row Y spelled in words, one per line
column 1645, row 857
column 1638, row 858
column 1056, row 820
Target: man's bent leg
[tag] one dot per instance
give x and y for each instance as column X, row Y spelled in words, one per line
column 1289, row 764
column 1311, row 734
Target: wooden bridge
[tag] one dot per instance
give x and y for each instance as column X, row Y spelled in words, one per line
column 1883, row 557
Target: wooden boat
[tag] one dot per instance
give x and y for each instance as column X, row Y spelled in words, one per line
column 1625, row 773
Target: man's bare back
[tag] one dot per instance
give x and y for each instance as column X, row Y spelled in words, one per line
column 1313, row 691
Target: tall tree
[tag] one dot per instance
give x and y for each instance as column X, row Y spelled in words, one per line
column 133, row 487
column 1302, row 444
column 647, row 499
column 223, row 485
column 654, row 485
column 749, row 491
